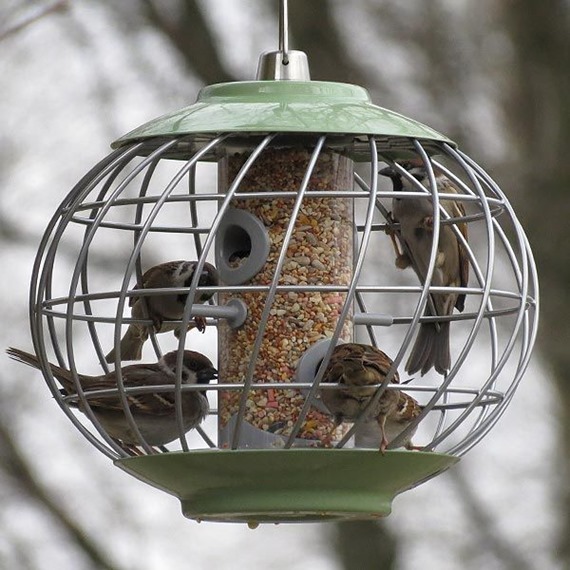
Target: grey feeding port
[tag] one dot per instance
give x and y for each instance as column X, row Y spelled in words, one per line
column 308, row 367
column 242, row 247
column 256, row 438
column 234, row 312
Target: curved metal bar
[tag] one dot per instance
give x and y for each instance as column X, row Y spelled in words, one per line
column 528, row 274
column 485, row 280
column 43, row 267
column 498, row 293
column 273, row 289
column 310, row 397
column 78, row 270
column 216, row 196
column 497, row 365
column 202, row 259
column 463, row 411
column 134, row 259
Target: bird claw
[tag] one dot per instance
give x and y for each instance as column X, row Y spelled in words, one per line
column 402, row 259
column 156, row 323
column 200, row 324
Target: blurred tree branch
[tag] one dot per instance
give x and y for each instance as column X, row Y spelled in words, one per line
column 315, row 30
column 538, row 107
column 365, row 545
column 191, row 35
column 491, row 539
column 21, row 473
column 32, row 16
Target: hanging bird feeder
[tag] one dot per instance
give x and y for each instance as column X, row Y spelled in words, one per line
column 276, row 183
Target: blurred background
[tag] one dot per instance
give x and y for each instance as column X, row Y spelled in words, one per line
column 493, row 75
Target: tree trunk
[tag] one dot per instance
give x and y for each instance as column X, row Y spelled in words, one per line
column 539, row 113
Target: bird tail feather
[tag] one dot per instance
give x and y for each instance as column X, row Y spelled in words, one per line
column 431, row 349
column 131, row 344
column 61, row 374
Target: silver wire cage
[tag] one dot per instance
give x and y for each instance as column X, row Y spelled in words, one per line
column 291, row 240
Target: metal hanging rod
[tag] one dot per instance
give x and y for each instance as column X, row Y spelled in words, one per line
column 283, row 64
column 284, row 30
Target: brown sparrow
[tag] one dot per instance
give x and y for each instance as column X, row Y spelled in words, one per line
column 361, row 368
column 368, row 434
column 160, row 308
column 415, row 216
column 153, row 412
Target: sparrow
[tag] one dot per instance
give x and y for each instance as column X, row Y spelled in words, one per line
column 367, row 434
column 415, row 217
column 359, row 368
column 153, row 412
column 160, row 308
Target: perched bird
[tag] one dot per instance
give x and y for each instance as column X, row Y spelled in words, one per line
column 153, row 412
column 368, row 434
column 360, row 368
column 160, row 308
column 415, row 216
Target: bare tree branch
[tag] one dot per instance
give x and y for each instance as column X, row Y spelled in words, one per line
column 191, row 35
column 315, row 30
column 365, row 545
column 538, row 109
column 33, row 16
column 16, row 466
column 485, row 525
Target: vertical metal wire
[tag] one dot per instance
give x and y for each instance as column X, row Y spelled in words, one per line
column 500, row 363
column 40, row 287
column 527, row 275
column 84, row 274
column 194, row 221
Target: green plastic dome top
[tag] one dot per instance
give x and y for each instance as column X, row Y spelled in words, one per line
column 283, row 106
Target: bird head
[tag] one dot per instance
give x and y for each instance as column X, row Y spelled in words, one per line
column 416, row 169
column 394, row 176
column 197, row 368
column 209, row 277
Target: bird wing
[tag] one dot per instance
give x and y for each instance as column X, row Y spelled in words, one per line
column 153, row 278
column 376, row 358
column 135, row 376
column 458, row 210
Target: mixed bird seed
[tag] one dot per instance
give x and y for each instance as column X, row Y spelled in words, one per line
column 320, row 252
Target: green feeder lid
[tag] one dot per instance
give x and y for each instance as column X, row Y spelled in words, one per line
column 283, row 106
column 293, row 485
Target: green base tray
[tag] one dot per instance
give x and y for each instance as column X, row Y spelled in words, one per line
column 293, row 485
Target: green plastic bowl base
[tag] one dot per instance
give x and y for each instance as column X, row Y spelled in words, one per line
column 293, row 485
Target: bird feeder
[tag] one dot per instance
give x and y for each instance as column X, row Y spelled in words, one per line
column 275, row 182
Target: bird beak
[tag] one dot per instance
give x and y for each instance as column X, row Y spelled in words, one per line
column 204, row 376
